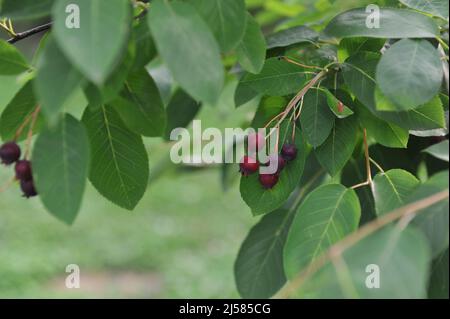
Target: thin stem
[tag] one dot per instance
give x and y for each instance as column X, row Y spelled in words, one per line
column 442, row 42
column 30, row 132
column 285, row 58
column 368, row 167
column 378, row 166
column 22, row 127
column 23, row 35
column 340, row 247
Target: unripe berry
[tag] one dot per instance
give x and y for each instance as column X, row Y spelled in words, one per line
column 248, row 165
column 28, row 188
column 9, row 153
column 289, row 152
column 23, row 170
column 268, row 181
column 256, row 142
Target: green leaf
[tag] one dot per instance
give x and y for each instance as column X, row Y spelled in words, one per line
column 11, row 84
column 145, row 46
column 181, row 110
column 11, row 60
column 384, row 133
column 327, row 215
column 438, row 285
column 97, row 46
column 277, row 78
column 433, row 220
column 393, row 23
column 119, row 163
column 263, row 201
column 244, row 94
column 316, row 119
column 140, row 105
column 334, row 153
column 60, row 167
column 439, row 150
column 410, row 74
column 189, row 49
column 402, row 256
column 438, row 8
column 295, row 35
column 391, row 189
column 226, row 19
column 251, row 51
column 16, row 112
column 25, row 9
column 336, row 106
column 56, row 80
column 352, row 46
column 258, row 269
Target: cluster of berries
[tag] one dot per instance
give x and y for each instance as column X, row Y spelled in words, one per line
column 9, row 154
column 249, row 165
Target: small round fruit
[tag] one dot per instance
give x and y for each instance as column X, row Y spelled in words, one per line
column 256, row 142
column 278, row 160
column 248, row 166
column 289, row 152
column 28, row 188
column 268, row 181
column 23, row 170
column 9, row 153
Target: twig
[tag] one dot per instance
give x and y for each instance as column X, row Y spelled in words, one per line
column 30, row 131
column 23, row 35
column 337, row 249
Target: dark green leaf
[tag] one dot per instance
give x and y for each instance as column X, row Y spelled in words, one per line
column 251, row 52
column 295, row 35
column 438, row 285
column 25, row 9
column 438, row 8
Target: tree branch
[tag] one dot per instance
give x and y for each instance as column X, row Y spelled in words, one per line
column 28, row 33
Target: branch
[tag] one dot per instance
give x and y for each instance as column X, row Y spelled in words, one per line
column 337, row 249
column 28, row 33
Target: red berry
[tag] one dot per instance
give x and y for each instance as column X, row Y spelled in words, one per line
column 28, row 188
column 248, row 165
column 23, row 170
column 268, row 181
column 255, row 142
column 289, row 152
column 9, row 153
column 278, row 160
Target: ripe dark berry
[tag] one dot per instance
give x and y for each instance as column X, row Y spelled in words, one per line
column 268, row 181
column 289, row 152
column 28, row 188
column 278, row 160
column 9, row 153
column 255, row 142
column 248, row 165
column 23, row 170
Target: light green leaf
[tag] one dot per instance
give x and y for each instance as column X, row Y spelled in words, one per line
column 11, row 60
column 384, row 133
column 316, row 118
column 433, row 220
column 56, row 80
column 438, row 8
column 119, row 163
column 97, row 46
column 11, row 84
column 336, row 106
column 262, row 201
column 189, row 49
column 409, row 74
column 352, row 46
column 295, row 35
column 327, row 215
column 439, row 150
column 25, row 9
column 402, row 256
column 393, row 23
column 60, row 167
column 258, row 269
column 251, row 51
column 227, row 20
column 391, row 189
column 334, row 153
column 277, row 78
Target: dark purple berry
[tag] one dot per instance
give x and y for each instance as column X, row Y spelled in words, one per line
column 268, row 181
column 28, row 188
column 277, row 160
column 289, row 152
column 248, row 165
column 23, row 170
column 9, row 153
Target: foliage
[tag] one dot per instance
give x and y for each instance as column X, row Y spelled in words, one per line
column 366, row 107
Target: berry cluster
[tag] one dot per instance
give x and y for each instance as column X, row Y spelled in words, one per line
column 250, row 165
column 10, row 153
